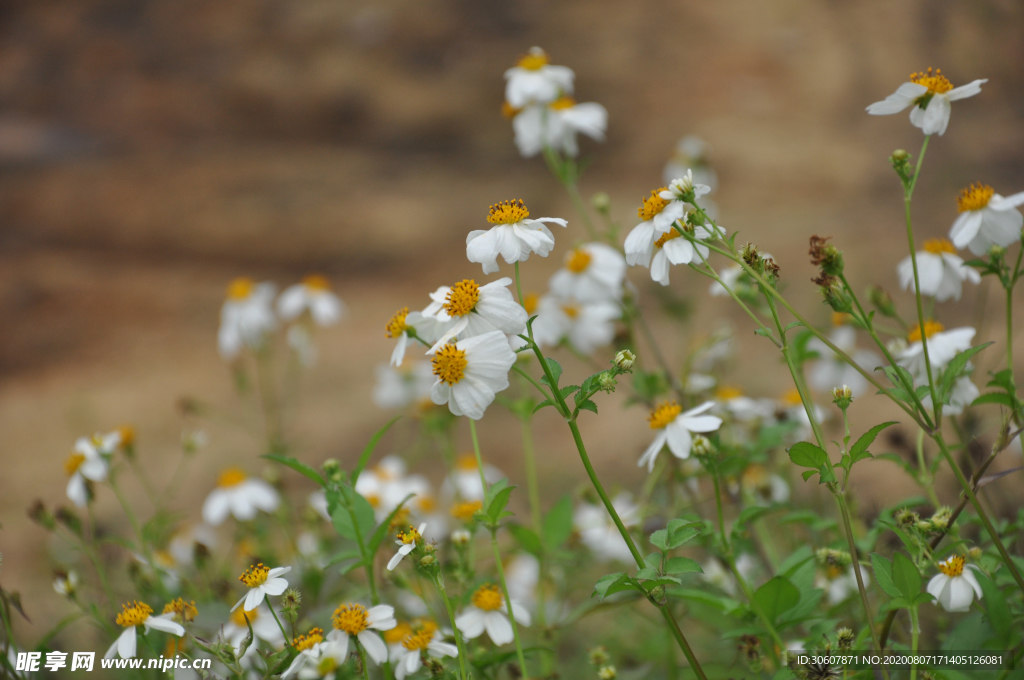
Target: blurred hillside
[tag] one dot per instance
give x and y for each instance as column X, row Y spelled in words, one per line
column 152, row 151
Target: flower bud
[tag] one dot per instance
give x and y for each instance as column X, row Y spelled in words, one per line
column 702, row 446
column 601, row 202
column 835, row 295
column 460, row 537
column 657, row 594
column 842, row 396
column 974, row 553
column 996, row 251
column 607, row 673
column 331, row 466
column 845, row 639
column 606, row 382
column 624, row 360
column 427, row 560
column 882, row 301
column 599, row 656
column 906, row 518
column 940, row 520
column 900, row 155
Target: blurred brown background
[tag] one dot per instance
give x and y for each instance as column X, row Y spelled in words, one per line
column 151, row 151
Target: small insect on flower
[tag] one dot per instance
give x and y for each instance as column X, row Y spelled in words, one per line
column 246, row 317
column 514, row 236
column 940, row 270
column 533, row 80
column 138, row 614
column 356, row 621
column 955, row 585
column 423, row 636
column 943, row 345
column 239, row 495
column 407, row 542
column 986, row 219
column 470, row 372
column 676, row 428
column 261, row 581
column 487, row 612
column 930, row 95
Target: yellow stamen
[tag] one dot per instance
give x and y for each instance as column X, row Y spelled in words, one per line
column 509, row 111
column 727, row 392
column 953, row 567
column 255, row 575
column 373, row 500
column 174, row 646
column 240, row 288
column 937, row 246
column 450, row 364
column 508, row 212
column 134, row 614
column 350, row 618
column 233, row 476
column 316, row 282
column 840, row 319
column 930, row 328
column 653, row 205
column 314, row 637
column 534, row 60
column 326, row 667
column 396, row 326
column 464, row 511
column 462, row 298
column 974, row 197
column 74, row 462
column 935, row 82
column 487, row 597
column 239, row 615
column 666, row 237
column 577, row 261
column 530, row 303
column 422, row 635
column 562, row 102
column 183, row 611
column 409, row 536
column 664, row 414
column 396, row 634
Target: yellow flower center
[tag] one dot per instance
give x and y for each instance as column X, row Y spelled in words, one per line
column 327, row 666
column 953, row 567
column 487, row 597
column 935, row 82
column 974, row 197
column 508, row 212
column 255, row 575
column 464, row 511
column 577, row 261
column 74, row 462
column 534, row 61
column 373, row 500
column 666, row 237
column 240, row 288
column 792, row 398
column 183, row 611
column 840, row 318
column 409, row 536
column 127, row 434
column 727, row 392
column 401, row 519
column 562, row 102
column 422, row 634
column 930, row 328
column 462, row 298
column 509, row 111
column 530, row 303
column 239, row 616
column 833, row 571
column 314, row 637
column 450, row 364
column 316, row 282
column 664, row 414
column 233, row 476
column 571, row 311
column 134, row 614
column 426, row 504
column 350, row 618
column 396, row 326
column 653, row 205
column 466, row 462
column 937, row 246
column 396, row 634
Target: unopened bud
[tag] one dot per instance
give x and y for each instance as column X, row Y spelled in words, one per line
column 882, row 301
column 606, row 382
column 974, row 553
column 427, row 560
column 997, row 251
column 331, row 466
column 842, row 396
column 657, row 594
column 607, row 673
column 601, row 202
column 460, row 537
column 900, row 155
column 845, row 639
column 835, row 295
column 599, row 656
column 624, row 360
column 906, row 518
column 940, row 520
column 702, row 446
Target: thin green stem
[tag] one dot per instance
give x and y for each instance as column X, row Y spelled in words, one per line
column 439, row 586
column 710, row 272
column 279, row 624
column 718, row 508
column 519, row 287
column 915, row 632
column 508, row 603
column 362, row 658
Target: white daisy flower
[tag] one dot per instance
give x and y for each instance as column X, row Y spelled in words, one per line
column 736, row 404
column 423, row 636
column 239, row 495
column 313, row 649
column 407, row 539
column 939, row 269
column 955, row 585
column 838, row 584
column 514, row 236
column 943, row 345
column 246, row 317
column 791, row 408
column 470, row 372
column 476, row 310
column 556, row 125
column 671, row 248
column 263, row 625
column 403, row 386
column 930, row 95
column 598, row 531
column 986, row 219
column 356, row 621
column 522, row 574
column 593, row 272
column 586, row 326
column 487, row 612
column 313, row 294
column 691, row 155
column 139, row 614
column 658, row 214
column 384, row 485
column 764, row 487
column 676, row 429
column 830, row 371
column 66, row 584
column 88, row 463
column 405, row 326
column 534, row 80
column 261, row 581
column 464, row 479
column 962, row 395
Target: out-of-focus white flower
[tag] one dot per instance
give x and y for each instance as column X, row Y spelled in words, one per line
column 522, row 573
column 264, row 628
column 423, row 636
column 356, row 621
column 464, row 480
column 585, row 325
column 534, row 80
column 940, row 270
column 556, row 125
column 738, row 405
column 729, row 276
column 793, row 410
column 139, row 614
column 943, row 345
column 246, row 317
column 405, row 326
column 470, row 373
column 718, row 576
column 186, row 539
column 403, row 386
column 838, row 584
column 691, row 155
column 930, row 95
column 476, row 310
column 986, row 219
column 672, row 248
column 599, row 533
column 762, row 486
column 675, row 428
column 955, row 585
column 964, row 392
column 313, row 294
column 406, row 543
column 514, row 236
column 88, row 461
column 830, row 371
column 593, row 272
column 699, row 382
column 66, row 584
column 239, row 495
column 487, row 612
column 261, row 582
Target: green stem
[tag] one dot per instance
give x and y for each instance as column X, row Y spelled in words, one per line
column 519, row 287
column 279, row 625
column 718, row 508
column 367, row 560
column 915, row 632
column 362, row 658
column 508, row 603
column 439, row 586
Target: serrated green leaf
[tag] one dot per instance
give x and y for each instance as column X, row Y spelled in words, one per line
column 859, row 450
column 588, row 405
column 609, row 584
column 546, row 402
column 659, row 539
column 882, row 569
column 496, row 498
column 682, row 565
column 567, row 390
column 1001, row 398
column 364, row 458
column 807, row 455
column 680, row 531
column 556, row 372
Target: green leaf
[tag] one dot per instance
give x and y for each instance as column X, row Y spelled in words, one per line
column 557, row 525
column 679, row 531
column 883, row 575
column 363, row 513
column 382, row 529
column 860, row 449
column 957, row 366
column 906, row 576
column 364, row 458
column 1001, row 398
column 556, row 372
column 344, row 555
column 527, row 538
column 996, row 607
column 682, row 565
column 826, row 475
column 610, row 584
column 569, row 389
column 659, row 539
column 546, row 402
column 588, row 405
column 807, row 455
column 296, row 465
column 776, row 597
column 496, row 498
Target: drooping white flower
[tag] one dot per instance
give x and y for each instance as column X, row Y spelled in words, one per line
column 691, row 155
column 657, row 213
column 943, row 345
column 831, row 371
column 475, row 310
column 261, row 582
column 88, row 462
column 487, row 611
column 406, row 542
column 584, row 325
column 940, row 270
column 593, row 272
column 514, row 236
column 955, row 585
column 246, row 317
column 598, row 531
column 356, row 621
column 403, row 386
column 986, row 219
column 470, row 372
column 139, row 614
column 671, row 248
column 423, row 636
column 534, row 80
column 313, row 294
column 313, row 649
column 930, row 95
column 239, row 495
column 675, row 428
column 556, row 125
column 405, row 327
